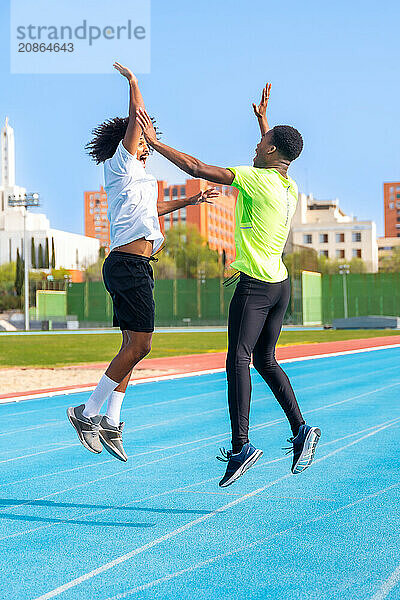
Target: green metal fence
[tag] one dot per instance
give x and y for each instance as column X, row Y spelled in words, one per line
column 178, row 302
column 314, row 299
column 367, row 294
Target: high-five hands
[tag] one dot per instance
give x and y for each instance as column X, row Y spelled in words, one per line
column 261, row 110
column 125, row 72
column 205, row 196
column 147, row 126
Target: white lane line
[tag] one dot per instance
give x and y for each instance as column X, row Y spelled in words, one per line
column 253, row 428
column 136, row 408
column 95, row 465
column 193, row 374
column 388, row 585
column 193, row 384
column 38, row 453
column 256, row 385
column 259, row 465
column 216, row 438
column 386, row 588
column 144, row 394
column 171, row 534
column 89, row 388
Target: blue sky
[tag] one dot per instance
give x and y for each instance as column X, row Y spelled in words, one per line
column 334, row 74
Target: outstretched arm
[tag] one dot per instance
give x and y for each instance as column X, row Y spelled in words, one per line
column 187, row 163
column 133, row 131
column 261, row 110
column 169, row 206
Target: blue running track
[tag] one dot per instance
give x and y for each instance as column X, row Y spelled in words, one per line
column 77, row 526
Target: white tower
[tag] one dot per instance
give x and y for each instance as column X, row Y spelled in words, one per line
column 7, row 156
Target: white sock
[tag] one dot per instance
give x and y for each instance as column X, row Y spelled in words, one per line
column 99, row 395
column 114, row 407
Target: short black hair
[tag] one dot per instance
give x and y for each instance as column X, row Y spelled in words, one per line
column 106, row 138
column 288, row 141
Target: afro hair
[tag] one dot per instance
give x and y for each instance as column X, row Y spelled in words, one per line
column 288, row 141
column 106, row 138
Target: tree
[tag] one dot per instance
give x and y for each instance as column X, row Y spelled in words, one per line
column 390, row 264
column 46, row 255
column 33, row 253
column 102, row 252
column 165, row 268
column 94, row 272
column 53, row 254
column 7, row 272
column 40, row 257
column 19, row 274
column 302, row 259
column 330, row 266
column 191, row 253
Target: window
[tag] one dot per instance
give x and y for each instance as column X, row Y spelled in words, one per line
column 398, row 235
column 391, row 205
column 307, row 238
column 323, row 238
column 356, row 236
column 183, row 191
column 167, row 224
column 324, row 253
column 175, row 217
column 339, row 253
column 175, row 192
column 356, row 253
column 97, row 196
column 183, row 214
column 339, row 238
column 166, row 194
column 398, row 204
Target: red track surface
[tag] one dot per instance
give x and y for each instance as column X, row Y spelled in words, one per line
column 216, row 360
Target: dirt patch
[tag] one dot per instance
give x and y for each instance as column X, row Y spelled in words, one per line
column 26, row 379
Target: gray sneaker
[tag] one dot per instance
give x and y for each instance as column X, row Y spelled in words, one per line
column 86, row 428
column 111, row 438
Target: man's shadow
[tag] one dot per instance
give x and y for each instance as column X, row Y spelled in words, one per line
column 87, row 521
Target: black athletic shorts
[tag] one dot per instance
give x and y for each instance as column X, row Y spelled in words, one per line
column 129, row 281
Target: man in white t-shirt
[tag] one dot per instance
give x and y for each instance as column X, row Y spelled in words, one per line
column 133, row 211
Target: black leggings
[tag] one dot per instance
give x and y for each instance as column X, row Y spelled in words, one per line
column 255, row 320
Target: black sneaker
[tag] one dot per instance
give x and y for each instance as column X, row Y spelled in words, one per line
column 87, row 428
column 303, row 448
column 111, row 438
column 238, row 463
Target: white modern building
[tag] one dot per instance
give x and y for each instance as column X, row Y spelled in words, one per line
column 71, row 250
column 323, row 226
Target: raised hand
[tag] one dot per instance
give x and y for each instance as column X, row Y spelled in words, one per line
column 261, row 110
column 125, row 72
column 205, row 196
column 147, row 126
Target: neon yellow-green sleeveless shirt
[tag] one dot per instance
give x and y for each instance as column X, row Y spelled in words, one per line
column 265, row 206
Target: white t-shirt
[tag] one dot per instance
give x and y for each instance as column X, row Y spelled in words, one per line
column 132, row 200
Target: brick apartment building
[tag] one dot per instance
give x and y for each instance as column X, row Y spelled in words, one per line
column 215, row 222
column 391, row 203
column 96, row 222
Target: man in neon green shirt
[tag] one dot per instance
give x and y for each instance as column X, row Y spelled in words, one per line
column 265, row 205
